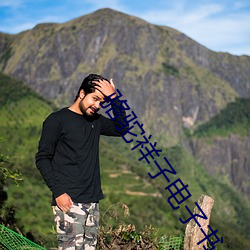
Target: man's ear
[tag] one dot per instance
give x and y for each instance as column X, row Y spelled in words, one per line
column 81, row 94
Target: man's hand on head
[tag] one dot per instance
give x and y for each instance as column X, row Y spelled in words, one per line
column 108, row 89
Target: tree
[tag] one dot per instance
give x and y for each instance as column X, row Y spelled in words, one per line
column 7, row 215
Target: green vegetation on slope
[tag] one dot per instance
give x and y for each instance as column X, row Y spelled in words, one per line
column 234, row 118
column 21, row 114
column 226, row 213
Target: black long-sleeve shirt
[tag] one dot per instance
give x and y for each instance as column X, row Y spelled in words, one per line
column 68, row 153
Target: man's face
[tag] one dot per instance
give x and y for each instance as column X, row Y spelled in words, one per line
column 90, row 104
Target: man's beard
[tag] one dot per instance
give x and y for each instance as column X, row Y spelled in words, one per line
column 84, row 109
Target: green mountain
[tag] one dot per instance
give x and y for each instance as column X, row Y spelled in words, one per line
column 193, row 101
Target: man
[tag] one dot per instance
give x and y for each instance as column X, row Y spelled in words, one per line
column 68, row 160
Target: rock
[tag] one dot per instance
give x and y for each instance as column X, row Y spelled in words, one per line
column 193, row 234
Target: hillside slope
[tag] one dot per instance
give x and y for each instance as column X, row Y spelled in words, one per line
column 226, row 137
column 124, row 179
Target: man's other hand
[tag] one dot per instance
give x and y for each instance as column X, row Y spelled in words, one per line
column 64, row 202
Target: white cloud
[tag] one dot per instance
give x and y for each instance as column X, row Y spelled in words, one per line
column 207, row 24
column 241, row 4
column 9, row 3
column 18, row 28
column 31, row 24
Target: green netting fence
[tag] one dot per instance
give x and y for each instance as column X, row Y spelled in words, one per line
column 11, row 240
column 172, row 242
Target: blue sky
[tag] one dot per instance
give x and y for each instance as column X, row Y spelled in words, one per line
column 218, row 25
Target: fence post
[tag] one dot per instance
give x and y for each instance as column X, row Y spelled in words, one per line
column 193, row 233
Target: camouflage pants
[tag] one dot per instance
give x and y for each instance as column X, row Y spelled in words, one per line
column 78, row 228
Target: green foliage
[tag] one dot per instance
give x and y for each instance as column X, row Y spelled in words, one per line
column 235, row 117
column 7, row 213
column 22, row 113
column 127, row 237
column 6, row 172
column 6, row 56
column 170, row 70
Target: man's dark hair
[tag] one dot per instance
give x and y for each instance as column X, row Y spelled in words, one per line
column 88, row 85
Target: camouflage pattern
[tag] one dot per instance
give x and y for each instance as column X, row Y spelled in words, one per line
column 78, row 228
